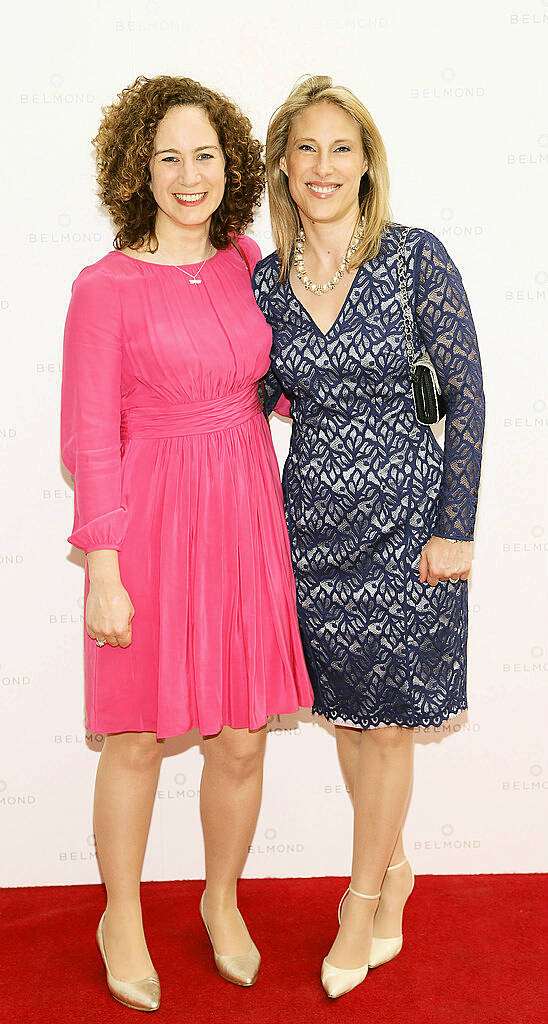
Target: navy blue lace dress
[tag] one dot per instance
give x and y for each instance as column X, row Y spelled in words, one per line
column 366, row 485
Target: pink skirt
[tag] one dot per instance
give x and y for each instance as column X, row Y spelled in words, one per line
column 206, row 563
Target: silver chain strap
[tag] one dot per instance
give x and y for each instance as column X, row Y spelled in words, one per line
column 404, row 299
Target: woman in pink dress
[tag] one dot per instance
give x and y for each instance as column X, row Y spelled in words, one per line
column 190, row 599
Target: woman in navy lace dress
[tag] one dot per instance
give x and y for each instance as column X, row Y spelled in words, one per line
column 380, row 518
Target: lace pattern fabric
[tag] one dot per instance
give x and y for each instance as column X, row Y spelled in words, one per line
column 366, row 485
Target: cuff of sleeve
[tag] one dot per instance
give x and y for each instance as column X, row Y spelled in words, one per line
column 100, row 547
column 107, row 531
column 443, row 536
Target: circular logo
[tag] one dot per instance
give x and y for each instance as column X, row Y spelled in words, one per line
column 270, row 833
column 179, row 779
column 447, row 830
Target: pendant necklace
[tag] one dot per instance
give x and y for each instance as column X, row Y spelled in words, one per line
column 321, row 289
column 193, row 278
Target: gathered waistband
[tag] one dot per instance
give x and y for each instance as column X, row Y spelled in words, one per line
column 148, row 421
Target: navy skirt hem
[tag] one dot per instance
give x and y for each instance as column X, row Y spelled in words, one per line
column 408, row 722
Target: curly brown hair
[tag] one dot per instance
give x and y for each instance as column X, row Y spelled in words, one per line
column 124, row 147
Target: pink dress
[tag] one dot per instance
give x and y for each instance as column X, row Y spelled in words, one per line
column 173, row 464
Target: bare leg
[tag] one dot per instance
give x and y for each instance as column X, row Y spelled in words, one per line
column 381, row 787
column 396, row 887
column 398, row 853
column 230, row 797
column 348, row 749
column 396, row 884
column 125, row 786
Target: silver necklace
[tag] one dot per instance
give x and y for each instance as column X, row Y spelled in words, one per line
column 320, row 289
column 193, row 278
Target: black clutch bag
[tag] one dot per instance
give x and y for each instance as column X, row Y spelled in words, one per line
column 427, row 397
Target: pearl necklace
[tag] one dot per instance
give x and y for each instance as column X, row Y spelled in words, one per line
column 193, row 278
column 320, row 289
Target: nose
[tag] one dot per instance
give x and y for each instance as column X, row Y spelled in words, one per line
column 189, row 173
column 323, row 163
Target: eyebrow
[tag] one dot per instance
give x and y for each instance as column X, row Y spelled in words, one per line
column 197, row 150
column 337, row 142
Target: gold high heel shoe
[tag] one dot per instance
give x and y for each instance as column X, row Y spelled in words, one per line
column 139, row 995
column 337, row 981
column 384, row 950
column 240, row 970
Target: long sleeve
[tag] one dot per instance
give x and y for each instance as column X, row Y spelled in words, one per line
column 90, row 412
column 275, row 398
column 446, row 327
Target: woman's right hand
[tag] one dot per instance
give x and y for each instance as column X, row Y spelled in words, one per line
column 109, row 610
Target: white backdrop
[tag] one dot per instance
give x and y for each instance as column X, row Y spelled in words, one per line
column 456, row 92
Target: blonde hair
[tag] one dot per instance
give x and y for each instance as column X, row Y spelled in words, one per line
column 374, row 185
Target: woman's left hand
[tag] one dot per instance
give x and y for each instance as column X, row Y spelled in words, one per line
column 441, row 560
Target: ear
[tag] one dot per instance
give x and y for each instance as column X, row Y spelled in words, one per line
column 365, row 166
column 283, row 165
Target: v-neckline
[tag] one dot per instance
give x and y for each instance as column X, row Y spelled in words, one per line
column 324, row 334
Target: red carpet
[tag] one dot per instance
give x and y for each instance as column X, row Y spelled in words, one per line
column 475, row 951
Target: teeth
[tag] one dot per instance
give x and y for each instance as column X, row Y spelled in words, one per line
column 191, row 197
column 323, row 190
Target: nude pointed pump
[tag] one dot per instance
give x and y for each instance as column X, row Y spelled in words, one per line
column 337, row 981
column 384, row 950
column 139, row 995
column 240, row 970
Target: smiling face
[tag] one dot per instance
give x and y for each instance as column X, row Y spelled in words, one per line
column 324, row 162
column 187, row 169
